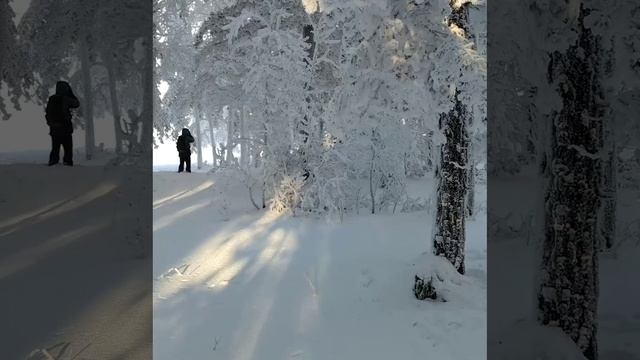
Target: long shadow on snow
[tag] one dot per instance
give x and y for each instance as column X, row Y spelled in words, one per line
column 49, row 295
column 190, row 237
column 261, row 288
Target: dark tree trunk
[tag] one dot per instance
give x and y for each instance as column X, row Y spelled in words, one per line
column 213, row 141
column 449, row 238
column 471, row 179
column 230, row 129
column 115, row 105
column 568, row 292
column 199, row 137
column 146, row 137
column 87, row 110
column 304, row 126
column 608, row 209
column 372, row 173
column 244, row 149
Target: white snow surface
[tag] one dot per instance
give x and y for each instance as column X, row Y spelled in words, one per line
column 100, row 158
column 238, row 284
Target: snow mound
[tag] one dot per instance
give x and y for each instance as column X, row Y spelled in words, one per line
column 441, row 274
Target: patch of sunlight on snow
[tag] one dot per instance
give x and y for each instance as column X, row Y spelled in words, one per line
column 457, row 31
column 59, row 207
column 16, row 219
column 86, row 198
column 168, row 220
column 32, row 255
column 275, row 245
column 215, row 261
column 226, row 274
column 184, row 194
column 310, row 6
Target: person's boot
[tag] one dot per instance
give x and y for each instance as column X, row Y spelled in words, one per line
column 66, row 163
column 53, row 160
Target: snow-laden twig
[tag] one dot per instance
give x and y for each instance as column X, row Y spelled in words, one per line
column 584, row 152
column 457, row 165
column 328, row 61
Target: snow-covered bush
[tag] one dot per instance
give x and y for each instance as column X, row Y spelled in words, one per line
column 288, row 195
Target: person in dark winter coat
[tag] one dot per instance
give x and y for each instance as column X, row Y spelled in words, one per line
column 58, row 116
column 184, row 150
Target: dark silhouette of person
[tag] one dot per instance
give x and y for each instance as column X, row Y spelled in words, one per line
column 58, row 116
column 184, row 149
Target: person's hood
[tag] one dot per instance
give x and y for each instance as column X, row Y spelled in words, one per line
column 63, row 88
column 185, row 132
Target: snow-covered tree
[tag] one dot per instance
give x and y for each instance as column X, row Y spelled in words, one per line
column 339, row 100
column 16, row 74
column 103, row 50
column 461, row 81
column 60, row 44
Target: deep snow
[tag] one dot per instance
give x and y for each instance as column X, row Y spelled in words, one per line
column 235, row 283
column 75, row 270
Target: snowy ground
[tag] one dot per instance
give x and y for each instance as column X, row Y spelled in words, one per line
column 74, row 269
column 174, row 168
column 511, row 310
column 238, row 284
column 101, row 157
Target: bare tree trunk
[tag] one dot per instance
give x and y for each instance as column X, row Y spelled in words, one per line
column 608, row 231
column 199, row 137
column 229, row 154
column 471, row 180
column 449, row 240
column 88, row 98
column 607, row 213
column 115, row 106
column 568, row 292
column 213, row 141
column 146, row 118
column 372, row 190
column 244, row 154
